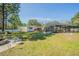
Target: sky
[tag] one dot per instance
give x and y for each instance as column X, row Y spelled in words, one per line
column 45, row 12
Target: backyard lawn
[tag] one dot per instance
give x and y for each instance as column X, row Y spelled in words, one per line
column 58, row 44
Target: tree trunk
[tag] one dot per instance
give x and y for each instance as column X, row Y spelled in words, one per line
column 3, row 28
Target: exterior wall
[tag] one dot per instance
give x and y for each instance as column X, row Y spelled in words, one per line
column 26, row 29
column 30, row 29
column 74, row 30
column 61, row 29
column 23, row 29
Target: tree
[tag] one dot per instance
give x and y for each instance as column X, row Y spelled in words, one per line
column 15, row 21
column 52, row 23
column 23, row 24
column 75, row 19
column 66, row 22
column 7, row 10
column 13, row 18
column 34, row 22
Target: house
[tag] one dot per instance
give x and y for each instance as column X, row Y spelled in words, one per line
column 34, row 28
column 62, row 28
column 30, row 29
column 23, row 29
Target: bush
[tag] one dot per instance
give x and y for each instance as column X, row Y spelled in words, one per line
column 37, row 36
column 23, row 35
column 30, row 35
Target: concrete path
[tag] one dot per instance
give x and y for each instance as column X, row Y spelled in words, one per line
column 9, row 45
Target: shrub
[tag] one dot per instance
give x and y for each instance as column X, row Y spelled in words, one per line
column 37, row 36
column 30, row 35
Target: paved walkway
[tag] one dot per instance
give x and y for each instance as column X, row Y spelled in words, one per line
column 8, row 46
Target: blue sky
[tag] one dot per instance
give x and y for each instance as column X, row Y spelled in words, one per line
column 45, row 12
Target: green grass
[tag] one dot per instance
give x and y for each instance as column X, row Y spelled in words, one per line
column 61, row 44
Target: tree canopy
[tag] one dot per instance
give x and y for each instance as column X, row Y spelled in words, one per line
column 52, row 23
column 75, row 19
column 9, row 12
column 34, row 22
